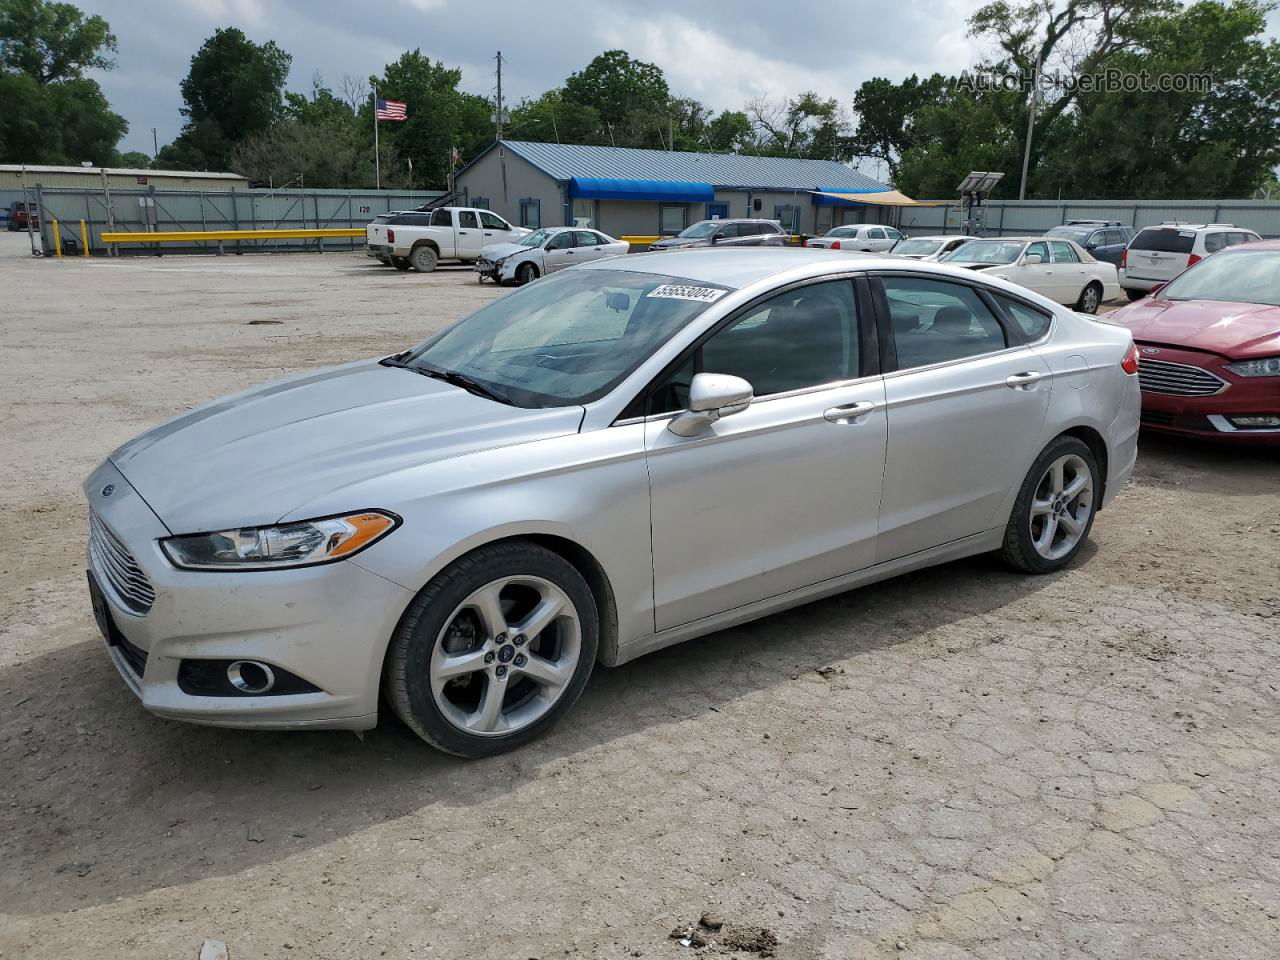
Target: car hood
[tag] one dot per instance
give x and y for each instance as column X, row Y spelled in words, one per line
column 496, row 251
column 673, row 242
column 254, row 457
column 1235, row 330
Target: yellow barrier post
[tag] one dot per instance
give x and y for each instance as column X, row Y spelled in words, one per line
column 57, row 239
column 84, row 239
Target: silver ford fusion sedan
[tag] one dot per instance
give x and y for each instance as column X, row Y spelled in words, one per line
column 609, row 461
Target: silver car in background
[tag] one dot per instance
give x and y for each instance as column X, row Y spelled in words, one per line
column 546, row 251
column 615, row 459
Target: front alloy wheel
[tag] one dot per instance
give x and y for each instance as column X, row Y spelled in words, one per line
column 1054, row 510
column 493, row 650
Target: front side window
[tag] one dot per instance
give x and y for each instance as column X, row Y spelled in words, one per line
column 731, row 230
column 492, row 221
column 799, row 338
column 561, row 241
column 1040, row 249
column 935, row 321
column 1062, row 252
column 567, row 339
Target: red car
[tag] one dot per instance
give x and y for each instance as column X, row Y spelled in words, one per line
column 1209, row 347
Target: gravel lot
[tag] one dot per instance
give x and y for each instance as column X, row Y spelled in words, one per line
column 962, row 763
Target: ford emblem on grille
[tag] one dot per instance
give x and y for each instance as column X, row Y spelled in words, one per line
column 1150, row 351
column 109, row 489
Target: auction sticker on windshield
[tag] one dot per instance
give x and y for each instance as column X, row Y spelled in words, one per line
column 677, row 291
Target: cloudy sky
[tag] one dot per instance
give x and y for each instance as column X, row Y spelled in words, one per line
column 719, row 52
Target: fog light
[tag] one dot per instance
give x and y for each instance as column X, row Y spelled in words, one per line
column 1255, row 422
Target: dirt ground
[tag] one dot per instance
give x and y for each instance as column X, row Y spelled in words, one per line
column 962, row 763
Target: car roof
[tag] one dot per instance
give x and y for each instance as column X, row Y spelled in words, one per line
column 942, row 236
column 741, row 266
column 1253, row 245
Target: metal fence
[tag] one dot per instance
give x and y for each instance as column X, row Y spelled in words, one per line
column 1012, row 217
column 147, row 209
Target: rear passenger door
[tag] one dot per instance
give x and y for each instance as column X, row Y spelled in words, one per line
column 470, row 239
column 1070, row 274
column 966, row 402
column 587, row 245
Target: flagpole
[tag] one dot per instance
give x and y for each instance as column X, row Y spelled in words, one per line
column 377, row 161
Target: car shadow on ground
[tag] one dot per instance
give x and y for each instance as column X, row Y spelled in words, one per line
column 1202, row 466
column 176, row 803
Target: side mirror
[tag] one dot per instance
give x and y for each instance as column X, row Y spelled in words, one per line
column 711, row 397
column 1031, row 259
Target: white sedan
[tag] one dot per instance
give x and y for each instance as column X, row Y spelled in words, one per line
column 1055, row 268
column 546, row 251
column 857, row 238
column 928, row 248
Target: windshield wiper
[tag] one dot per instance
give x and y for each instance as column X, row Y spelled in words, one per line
column 463, row 381
column 396, row 360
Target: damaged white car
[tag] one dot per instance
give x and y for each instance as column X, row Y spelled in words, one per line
column 546, row 251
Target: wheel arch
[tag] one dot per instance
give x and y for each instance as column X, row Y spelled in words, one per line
column 425, row 242
column 1097, row 445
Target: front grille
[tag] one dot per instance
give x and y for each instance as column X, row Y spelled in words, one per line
column 113, row 562
column 135, row 657
column 1177, row 379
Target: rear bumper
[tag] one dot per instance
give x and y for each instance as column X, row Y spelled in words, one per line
column 377, row 251
column 1130, row 282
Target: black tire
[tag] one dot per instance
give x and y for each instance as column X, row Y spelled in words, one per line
column 406, row 679
column 526, row 273
column 401, row 263
column 1134, row 294
column 1019, row 550
column 424, row 258
column 1085, row 304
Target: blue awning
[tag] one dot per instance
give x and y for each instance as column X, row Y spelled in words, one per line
column 665, row 191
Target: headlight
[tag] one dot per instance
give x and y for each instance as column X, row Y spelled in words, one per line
column 1266, row 367
column 301, row 544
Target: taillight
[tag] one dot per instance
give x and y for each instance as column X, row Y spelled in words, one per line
column 835, row 244
column 1124, row 258
column 1130, row 362
column 1194, row 259
column 391, row 236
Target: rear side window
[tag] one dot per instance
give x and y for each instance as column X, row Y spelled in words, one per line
column 1032, row 322
column 935, row 321
column 1110, row 237
column 1213, row 242
column 1062, row 252
column 442, row 218
column 1164, row 240
column 467, row 219
column 585, row 238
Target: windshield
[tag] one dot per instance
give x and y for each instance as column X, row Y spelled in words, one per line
column 535, row 239
column 703, row 228
column 1242, row 277
column 917, row 248
column 569, row 338
column 986, row 251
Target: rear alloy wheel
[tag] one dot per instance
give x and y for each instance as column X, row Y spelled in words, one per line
column 401, row 263
column 1054, row 511
column 526, row 273
column 1090, row 299
column 494, row 650
column 423, row 259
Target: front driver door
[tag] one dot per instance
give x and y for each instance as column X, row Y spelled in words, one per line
column 786, row 493
column 559, row 252
column 965, row 406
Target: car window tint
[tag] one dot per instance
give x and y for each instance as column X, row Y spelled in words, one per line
column 442, row 218
column 561, row 241
column 935, row 321
column 1062, row 252
column 730, row 230
column 1164, row 240
column 1040, row 248
column 467, row 220
column 491, row 222
column 799, row 338
column 585, row 238
column 1034, row 323
column 1213, row 242
column 1111, row 237
column 876, row 233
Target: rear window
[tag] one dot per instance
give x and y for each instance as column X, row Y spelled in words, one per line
column 1164, row 240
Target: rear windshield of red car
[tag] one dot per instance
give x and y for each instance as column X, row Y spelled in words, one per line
column 1164, row 240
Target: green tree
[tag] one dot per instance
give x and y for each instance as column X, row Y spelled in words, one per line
column 730, row 133
column 553, row 119
column 886, row 114
column 135, row 159
column 630, row 97
column 51, row 112
column 806, row 126
column 234, row 90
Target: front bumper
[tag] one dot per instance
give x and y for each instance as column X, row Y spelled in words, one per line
column 1210, row 417
column 328, row 625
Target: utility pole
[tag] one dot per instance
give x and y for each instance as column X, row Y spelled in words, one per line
column 1031, row 125
column 377, row 160
column 155, row 143
column 498, row 115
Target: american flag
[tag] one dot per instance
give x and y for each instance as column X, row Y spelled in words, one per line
column 390, row 110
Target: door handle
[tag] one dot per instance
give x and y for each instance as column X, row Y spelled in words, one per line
column 1024, row 381
column 849, row 412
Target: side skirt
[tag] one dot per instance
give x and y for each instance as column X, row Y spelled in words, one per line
column 968, row 546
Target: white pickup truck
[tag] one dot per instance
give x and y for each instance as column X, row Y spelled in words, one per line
column 421, row 239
